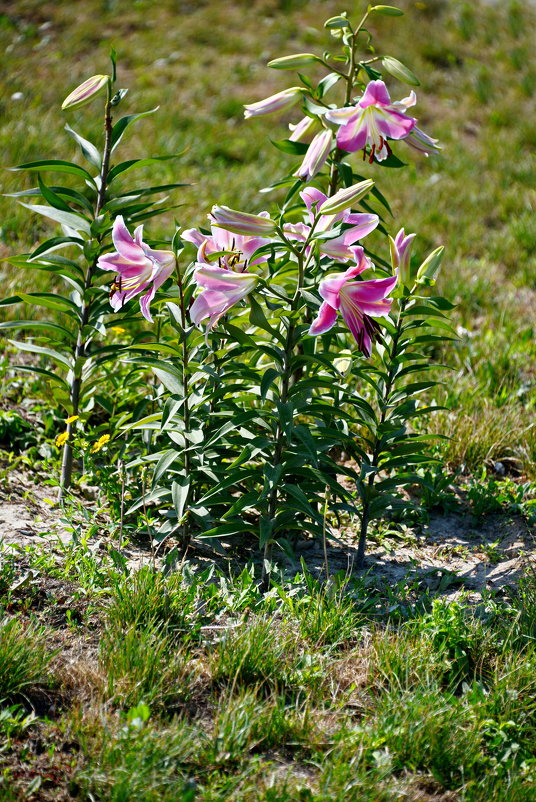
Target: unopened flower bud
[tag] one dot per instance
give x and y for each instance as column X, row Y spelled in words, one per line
column 85, row 92
column 429, row 269
column 317, row 153
column 346, row 198
column 401, row 255
column 301, row 130
column 294, row 62
column 387, row 11
column 242, row 223
column 278, row 102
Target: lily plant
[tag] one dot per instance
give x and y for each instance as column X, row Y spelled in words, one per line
column 287, row 339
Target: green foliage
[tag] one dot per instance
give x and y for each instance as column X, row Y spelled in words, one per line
column 25, row 659
column 148, row 598
column 143, row 664
column 264, row 654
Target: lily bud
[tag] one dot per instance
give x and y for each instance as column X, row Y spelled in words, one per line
column 85, row 92
column 294, row 62
column 241, row 222
column 387, row 11
column 401, row 255
column 278, row 102
column 346, row 198
column 429, row 269
column 316, row 155
column 301, row 130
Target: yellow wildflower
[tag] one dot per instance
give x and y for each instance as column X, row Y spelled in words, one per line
column 72, row 419
column 117, row 329
column 61, row 439
column 101, row 442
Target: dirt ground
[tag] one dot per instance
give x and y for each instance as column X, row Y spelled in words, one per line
column 453, row 552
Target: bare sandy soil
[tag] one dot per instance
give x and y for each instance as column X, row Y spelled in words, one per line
column 453, row 552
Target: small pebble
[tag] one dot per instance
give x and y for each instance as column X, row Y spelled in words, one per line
column 499, row 468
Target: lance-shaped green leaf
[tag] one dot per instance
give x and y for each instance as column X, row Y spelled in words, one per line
column 57, row 166
column 49, row 301
column 179, row 493
column 35, row 324
column 88, row 149
column 54, row 244
column 47, row 374
column 291, row 147
column 50, row 352
column 121, row 125
column 124, row 167
column 339, row 21
column 69, row 219
column 400, row 71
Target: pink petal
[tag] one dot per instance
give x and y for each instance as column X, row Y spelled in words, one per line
column 161, row 259
column 124, row 243
column 341, row 116
column 145, row 300
column 330, row 288
column 297, row 231
column 193, row 236
column 394, row 124
column 311, row 196
column 325, row 319
column 209, row 303
column 370, row 296
column 353, row 136
column 376, row 94
column 353, row 318
column 221, row 280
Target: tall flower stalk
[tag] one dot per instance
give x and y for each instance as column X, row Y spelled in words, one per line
column 83, row 335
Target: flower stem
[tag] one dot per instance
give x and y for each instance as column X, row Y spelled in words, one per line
column 384, row 401
column 287, row 376
column 186, row 390
column 80, row 349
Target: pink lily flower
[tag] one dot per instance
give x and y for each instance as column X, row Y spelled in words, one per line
column 342, row 247
column 229, row 281
column 371, row 121
column 317, row 153
column 223, row 288
column 138, row 268
column 358, row 302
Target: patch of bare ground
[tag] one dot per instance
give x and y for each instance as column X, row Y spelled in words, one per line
column 42, row 762
column 454, row 551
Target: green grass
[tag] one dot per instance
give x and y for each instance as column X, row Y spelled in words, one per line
column 256, row 709
column 24, row 659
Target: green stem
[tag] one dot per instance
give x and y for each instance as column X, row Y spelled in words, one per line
column 186, row 392
column 384, row 401
column 349, row 78
column 286, row 384
column 80, row 349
